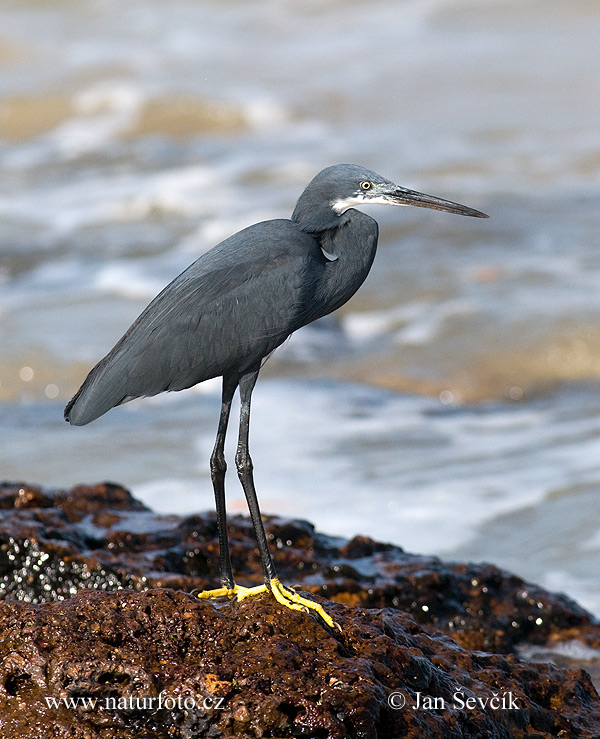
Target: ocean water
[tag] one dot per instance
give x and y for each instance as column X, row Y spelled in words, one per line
column 452, row 406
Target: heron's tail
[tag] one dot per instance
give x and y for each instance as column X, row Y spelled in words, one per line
column 100, row 392
column 71, row 413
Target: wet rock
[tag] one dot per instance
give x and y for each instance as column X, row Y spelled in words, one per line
column 164, row 664
column 275, row 672
column 55, row 542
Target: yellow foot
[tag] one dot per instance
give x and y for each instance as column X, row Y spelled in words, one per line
column 289, row 598
column 237, row 591
column 286, row 596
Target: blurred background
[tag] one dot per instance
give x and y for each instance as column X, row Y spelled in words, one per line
column 453, row 406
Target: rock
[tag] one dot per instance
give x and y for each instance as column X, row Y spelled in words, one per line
column 55, row 542
column 164, row 664
column 160, row 663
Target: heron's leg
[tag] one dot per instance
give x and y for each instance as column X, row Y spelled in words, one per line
column 285, row 596
column 218, row 468
column 245, row 472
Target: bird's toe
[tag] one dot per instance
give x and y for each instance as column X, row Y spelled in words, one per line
column 290, row 599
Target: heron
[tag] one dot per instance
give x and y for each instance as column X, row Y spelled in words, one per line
column 227, row 312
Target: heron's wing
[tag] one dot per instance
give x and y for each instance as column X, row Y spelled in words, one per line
column 224, row 313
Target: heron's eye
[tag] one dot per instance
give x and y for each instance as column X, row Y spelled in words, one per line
column 366, row 185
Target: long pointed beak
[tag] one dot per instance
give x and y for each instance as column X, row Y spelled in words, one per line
column 402, row 196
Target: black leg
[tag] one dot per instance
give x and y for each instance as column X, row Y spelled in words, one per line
column 286, row 596
column 244, row 468
column 218, row 467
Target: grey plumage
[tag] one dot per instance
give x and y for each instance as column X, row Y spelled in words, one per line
column 238, row 302
column 228, row 310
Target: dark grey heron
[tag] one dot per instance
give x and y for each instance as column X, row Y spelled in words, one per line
column 226, row 313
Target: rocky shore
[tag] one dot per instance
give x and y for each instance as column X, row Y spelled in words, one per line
column 101, row 635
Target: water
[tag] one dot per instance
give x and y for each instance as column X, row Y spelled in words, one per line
column 451, row 407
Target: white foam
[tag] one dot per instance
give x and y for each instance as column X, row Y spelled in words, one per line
column 68, row 206
column 315, row 470
column 104, row 110
column 572, row 649
column 417, row 322
column 264, row 113
column 363, row 326
column 127, row 280
column 585, row 591
column 172, row 495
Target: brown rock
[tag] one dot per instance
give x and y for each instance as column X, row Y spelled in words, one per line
column 275, row 672
column 163, row 664
column 55, row 542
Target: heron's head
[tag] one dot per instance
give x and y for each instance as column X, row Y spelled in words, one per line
column 341, row 187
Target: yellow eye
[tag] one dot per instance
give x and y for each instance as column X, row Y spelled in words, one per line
column 365, row 185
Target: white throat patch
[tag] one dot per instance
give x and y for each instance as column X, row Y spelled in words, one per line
column 341, row 205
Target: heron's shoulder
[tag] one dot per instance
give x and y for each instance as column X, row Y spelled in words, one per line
column 279, row 234
column 258, row 244
column 255, row 250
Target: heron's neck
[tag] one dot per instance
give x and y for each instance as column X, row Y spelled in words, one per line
column 316, row 220
column 353, row 245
